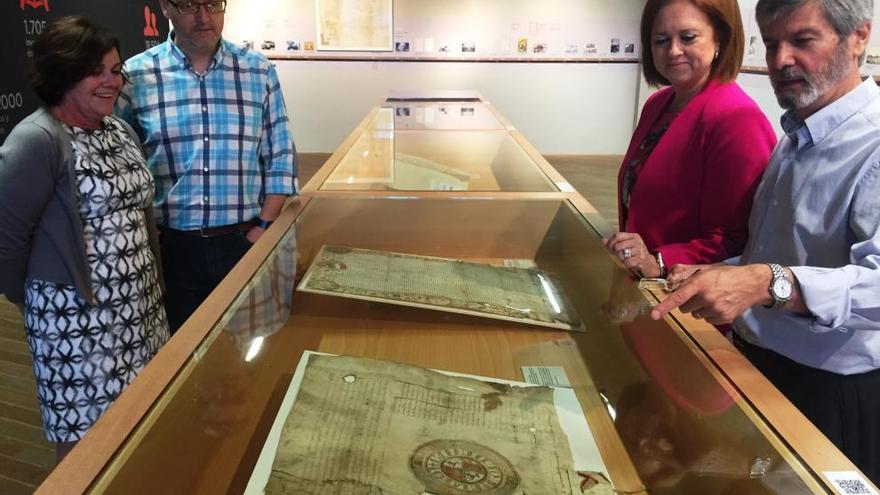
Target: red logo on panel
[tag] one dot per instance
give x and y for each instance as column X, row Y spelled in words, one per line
column 150, row 28
column 34, row 4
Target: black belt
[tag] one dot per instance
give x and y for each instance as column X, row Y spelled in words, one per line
column 739, row 342
column 217, row 231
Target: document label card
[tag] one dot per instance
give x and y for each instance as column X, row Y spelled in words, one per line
column 552, row 376
column 565, row 187
column 849, row 483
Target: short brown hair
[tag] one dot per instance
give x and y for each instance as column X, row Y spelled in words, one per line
column 69, row 49
column 727, row 23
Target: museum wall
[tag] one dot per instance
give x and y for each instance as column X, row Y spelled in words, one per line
column 578, row 107
column 560, row 108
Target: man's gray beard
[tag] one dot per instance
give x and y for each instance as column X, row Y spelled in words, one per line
column 814, row 85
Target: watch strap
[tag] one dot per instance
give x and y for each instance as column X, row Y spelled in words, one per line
column 778, row 272
column 660, row 263
column 263, row 224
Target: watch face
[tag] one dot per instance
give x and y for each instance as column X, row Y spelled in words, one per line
column 781, row 288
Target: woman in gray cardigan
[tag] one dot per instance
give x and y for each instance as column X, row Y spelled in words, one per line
column 76, row 243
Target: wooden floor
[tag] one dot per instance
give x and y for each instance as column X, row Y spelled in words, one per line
column 25, row 455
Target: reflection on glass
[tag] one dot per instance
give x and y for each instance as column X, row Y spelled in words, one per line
column 263, row 305
column 685, row 432
column 394, row 160
column 436, row 115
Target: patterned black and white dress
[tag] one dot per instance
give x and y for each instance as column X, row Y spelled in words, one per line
column 85, row 355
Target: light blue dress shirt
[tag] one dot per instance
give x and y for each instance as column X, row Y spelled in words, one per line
column 817, row 211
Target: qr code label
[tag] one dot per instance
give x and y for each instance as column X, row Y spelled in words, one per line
column 854, row 487
column 850, row 483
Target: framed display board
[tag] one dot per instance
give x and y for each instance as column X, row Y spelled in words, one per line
column 354, row 25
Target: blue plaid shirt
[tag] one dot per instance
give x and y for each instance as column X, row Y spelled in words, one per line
column 216, row 143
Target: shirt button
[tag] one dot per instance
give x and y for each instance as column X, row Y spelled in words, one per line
column 206, row 138
column 204, row 109
column 205, row 170
column 205, row 199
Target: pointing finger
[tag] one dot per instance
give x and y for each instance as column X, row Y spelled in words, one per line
column 679, row 297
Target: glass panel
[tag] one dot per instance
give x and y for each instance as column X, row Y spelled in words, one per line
column 445, row 115
column 394, row 160
column 638, row 380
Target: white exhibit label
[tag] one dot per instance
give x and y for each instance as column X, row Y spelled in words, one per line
column 565, row 187
column 552, row 376
column 849, row 483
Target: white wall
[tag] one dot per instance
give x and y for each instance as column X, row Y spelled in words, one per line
column 576, row 108
column 758, row 87
column 560, row 108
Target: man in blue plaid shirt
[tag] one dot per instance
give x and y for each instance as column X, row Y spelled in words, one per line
column 213, row 124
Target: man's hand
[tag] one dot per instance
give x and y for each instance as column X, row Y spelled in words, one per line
column 634, row 254
column 679, row 273
column 719, row 293
column 254, row 234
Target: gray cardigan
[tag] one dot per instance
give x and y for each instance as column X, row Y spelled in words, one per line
column 41, row 234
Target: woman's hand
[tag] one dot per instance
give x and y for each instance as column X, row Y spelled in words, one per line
column 634, row 254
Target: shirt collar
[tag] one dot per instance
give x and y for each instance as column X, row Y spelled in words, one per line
column 822, row 123
column 181, row 57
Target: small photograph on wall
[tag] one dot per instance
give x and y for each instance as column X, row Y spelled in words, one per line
column 629, row 48
column 571, row 48
column 401, row 46
column 249, row 44
column 590, row 48
column 293, row 46
column 443, row 110
column 540, row 48
column 401, row 111
column 753, row 45
column 615, row 45
column 443, row 49
column 309, row 45
column 522, row 45
column 468, row 47
column 267, row 45
column 467, row 111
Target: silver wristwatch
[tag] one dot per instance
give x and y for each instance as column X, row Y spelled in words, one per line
column 781, row 286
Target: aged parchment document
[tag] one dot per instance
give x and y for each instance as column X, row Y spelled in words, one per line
column 362, row 426
column 508, row 293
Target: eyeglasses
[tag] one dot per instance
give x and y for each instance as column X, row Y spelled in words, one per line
column 194, row 7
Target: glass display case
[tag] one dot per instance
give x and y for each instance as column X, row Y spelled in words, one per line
column 671, row 406
column 437, row 146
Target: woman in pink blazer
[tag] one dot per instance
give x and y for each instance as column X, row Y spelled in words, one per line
column 686, row 183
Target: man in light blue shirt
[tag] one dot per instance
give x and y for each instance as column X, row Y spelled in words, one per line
column 804, row 297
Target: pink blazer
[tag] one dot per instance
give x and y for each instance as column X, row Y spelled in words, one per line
column 693, row 195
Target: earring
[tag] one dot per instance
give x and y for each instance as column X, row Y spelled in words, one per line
column 716, row 55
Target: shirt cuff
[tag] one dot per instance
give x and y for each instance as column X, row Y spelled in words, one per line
column 826, row 294
column 283, row 185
